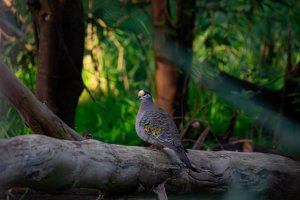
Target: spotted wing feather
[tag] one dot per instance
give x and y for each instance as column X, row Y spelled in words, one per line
column 159, row 126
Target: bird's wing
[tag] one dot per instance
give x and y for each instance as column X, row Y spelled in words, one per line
column 160, row 127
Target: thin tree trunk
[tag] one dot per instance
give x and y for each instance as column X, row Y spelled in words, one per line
column 59, row 34
column 170, row 41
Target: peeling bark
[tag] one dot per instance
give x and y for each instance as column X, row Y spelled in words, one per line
column 49, row 164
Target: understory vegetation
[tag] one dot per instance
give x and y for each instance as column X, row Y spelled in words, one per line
column 246, row 39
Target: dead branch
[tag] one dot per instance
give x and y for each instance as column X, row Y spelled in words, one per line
column 35, row 114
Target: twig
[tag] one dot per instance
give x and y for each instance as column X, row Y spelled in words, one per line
column 161, row 191
column 201, row 138
column 229, row 130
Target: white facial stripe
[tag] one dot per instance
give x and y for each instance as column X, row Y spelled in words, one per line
column 141, row 93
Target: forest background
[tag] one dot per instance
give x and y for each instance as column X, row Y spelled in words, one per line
column 234, row 72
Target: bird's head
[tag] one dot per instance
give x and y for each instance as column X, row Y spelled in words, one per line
column 143, row 94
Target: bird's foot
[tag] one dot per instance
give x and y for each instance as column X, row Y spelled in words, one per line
column 154, row 147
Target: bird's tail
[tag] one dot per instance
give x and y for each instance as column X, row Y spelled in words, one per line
column 183, row 157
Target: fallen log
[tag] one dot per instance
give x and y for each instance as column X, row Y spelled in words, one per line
column 51, row 165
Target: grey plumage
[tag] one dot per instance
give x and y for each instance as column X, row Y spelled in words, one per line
column 156, row 127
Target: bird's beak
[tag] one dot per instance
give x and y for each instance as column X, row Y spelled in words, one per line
column 138, row 98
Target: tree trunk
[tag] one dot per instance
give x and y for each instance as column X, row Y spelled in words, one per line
column 59, row 34
column 170, row 40
column 49, row 164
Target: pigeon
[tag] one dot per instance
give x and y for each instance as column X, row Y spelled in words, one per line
column 155, row 126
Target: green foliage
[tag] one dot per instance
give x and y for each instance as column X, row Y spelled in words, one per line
column 247, row 39
column 213, row 109
column 10, row 122
column 109, row 119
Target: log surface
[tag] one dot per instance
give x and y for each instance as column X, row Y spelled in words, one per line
column 49, row 164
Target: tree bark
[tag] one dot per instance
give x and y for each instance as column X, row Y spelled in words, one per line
column 170, row 40
column 49, row 164
column 59, row 34
column 35, row 114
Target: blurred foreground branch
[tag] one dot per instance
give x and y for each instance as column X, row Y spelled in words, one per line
column 49, row 164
